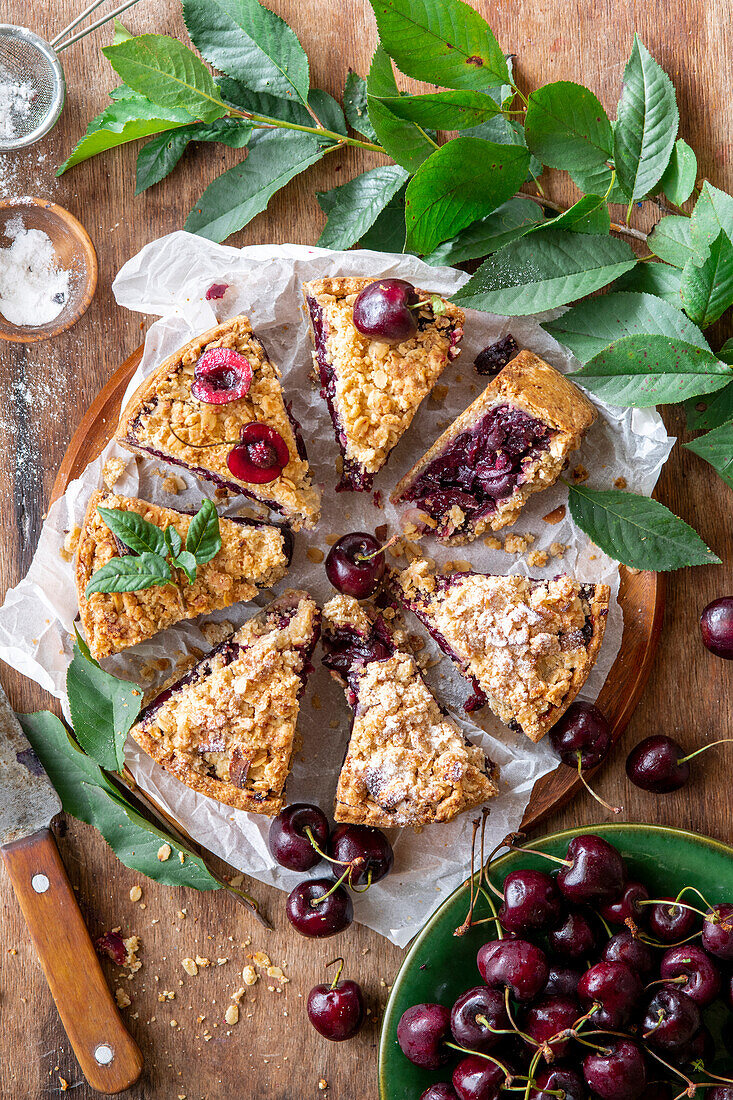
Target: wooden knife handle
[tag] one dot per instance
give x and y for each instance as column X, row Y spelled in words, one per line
column 109, row 1057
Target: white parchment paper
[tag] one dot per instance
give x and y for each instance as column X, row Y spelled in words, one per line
column 169, row 277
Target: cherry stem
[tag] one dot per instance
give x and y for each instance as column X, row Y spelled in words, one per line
column 361, row 889
column 668, row 981
column 594, row 794
column 672, row 1069
column 716, row 1077
column 340, row 961
column 317, row 901
column 605, row 924
column 522, row 1034
column 494, row 1030
column 694, row 890
column 350, row 865
column 704, row 748
column 473, row 894
column 672, row 905
column 544, row 855
column 531, row 1071
column 479, row 1054
column 376, row 553
column 661, row 1016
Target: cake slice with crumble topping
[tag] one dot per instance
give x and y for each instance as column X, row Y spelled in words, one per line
column 527, row 646
column 228, row 728
column 407, row 761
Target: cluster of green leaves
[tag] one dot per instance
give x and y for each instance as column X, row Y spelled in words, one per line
column 460, row 155
column 155, row 551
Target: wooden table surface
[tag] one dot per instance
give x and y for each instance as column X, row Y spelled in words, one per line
column 272, row 1053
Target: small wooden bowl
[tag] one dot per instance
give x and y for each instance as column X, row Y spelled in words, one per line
column 74, row 252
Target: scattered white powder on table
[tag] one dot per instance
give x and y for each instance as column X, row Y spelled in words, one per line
column 33, row 290
column 15, row 103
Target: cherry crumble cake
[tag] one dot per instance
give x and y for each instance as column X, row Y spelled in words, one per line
column 407, row 762
column 228, row 728
column 252, row 556
column 373, row 385
column 511, row 442
column 527, row 646
column 216, row 408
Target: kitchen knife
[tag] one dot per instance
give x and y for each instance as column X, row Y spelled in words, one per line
column 109, row 1058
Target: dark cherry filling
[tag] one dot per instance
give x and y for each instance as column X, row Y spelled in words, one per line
column 347, row 650
column 481, row 466
column 495, row 356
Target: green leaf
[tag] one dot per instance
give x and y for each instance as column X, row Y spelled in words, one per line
column 249, row 43
column 327, row 111
column 137, row 533
column 187, row 562
column 388, row 232
column 120, row 32
column 652, row 370
column 545, row 270
column 88, row 795
column 707, row 288
column 130, row 574
column 232, row 200
column 713, row 212
column 717, row 448
column 671, row 240
column 354, row 207
column 588, row 215
column 711, row 412
column 124, row 120
column 160, row 156
column 637, row 530
column 589, row 327
column 647, row 123
column 567, row 127
column 355, row 105
column 204, row 538
column 463, row 180
column 404, row 141
column 446, row 43
column 167, row 73
column 598, row 181
column 509, row 221
column 680, row 174
column 506, row 131
column 651, row 278
column 172, row 540
column 102, row 709
column 453, row 110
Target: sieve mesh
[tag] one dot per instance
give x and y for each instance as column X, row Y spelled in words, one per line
column 27, row 59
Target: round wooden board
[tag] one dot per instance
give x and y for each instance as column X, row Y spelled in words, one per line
column 641, row 596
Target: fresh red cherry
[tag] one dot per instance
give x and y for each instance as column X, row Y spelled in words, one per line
column 440, row 1091
column 336, row 1010
column 382, row 310
column 532, row 902
column 288, row 839
column 474, row 1078
column 558, row 1081
column 596, row 872
column 422, row 1032
column 670, row 1021
column 476, row 1016
column 717, row 931
column 260, row 457
column 722, row 1092
column 669, row 922
column 516, row 965
column 624, row 947
column 702, row 976
column 701, row 1048
column 583, row 730
column 626, row 906
column 549, row 1017
column 658, row 764
column 316, row 908
column 364, row 849
column 355, row 565
column 562, row 981
column 220, row 376
column 613, row 986
column 575, row 938
column 616, row 1073
column 716, row 626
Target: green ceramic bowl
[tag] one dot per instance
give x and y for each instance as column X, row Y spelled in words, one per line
column 439, row 966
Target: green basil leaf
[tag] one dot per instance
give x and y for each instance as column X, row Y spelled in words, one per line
column 124, row 120
column 461, row 181
column 204, row 537
column 647, row 123
column 187, row 562
column 88, row 795
column 566, row 125
column 355, row 105
column 707, row 288
column 645, row 370
column 711, row 412
column 588, row 215
column 130, row 574
column 453, row 110
column 545, row 270
column 680, row 174
column 717, row 448
column 713, row 212
column 589, row 327
column 102, row 709
column 509, row 221
column 158, row 157
column 660, row 280
column 249, row 43
column 137, row 533
column 671, row 240
column 172, row 540
column 446, row 43
column 637, row 530
column 167, row 73
column 405, row 142
column 354, row 207
column 388, row 232
column 235, row 197
column 328, row 111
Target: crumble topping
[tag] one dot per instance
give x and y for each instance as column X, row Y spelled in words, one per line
column 251, row 557
column 112, row 471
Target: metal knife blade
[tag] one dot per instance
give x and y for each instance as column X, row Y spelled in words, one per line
column 28, row 800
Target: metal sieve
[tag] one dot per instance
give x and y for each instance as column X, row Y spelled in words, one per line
column 27, row 59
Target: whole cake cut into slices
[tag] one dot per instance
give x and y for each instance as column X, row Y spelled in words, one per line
column 216, row 408
column 407, row 762
column 228, row 728
column 527, row 646
column 252, row 556
column 373, row 384
column 511, row 442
